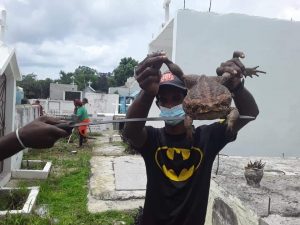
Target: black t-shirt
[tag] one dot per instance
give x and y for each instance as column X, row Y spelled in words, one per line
column 178, row 174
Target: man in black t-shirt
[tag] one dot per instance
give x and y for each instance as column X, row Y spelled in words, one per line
column 179, row 170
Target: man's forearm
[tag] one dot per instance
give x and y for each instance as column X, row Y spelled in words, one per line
column 9, row 146
column 245, row 102
column 138, row 109
column 246, row 105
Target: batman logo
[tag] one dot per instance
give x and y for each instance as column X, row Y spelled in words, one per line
column 178, row 164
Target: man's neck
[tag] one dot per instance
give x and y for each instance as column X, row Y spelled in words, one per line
column 175, row 130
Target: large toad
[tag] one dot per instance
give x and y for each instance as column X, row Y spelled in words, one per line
column 207, row 98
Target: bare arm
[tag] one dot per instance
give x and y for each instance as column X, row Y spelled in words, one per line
column 148, row 77
column 38, row 134
column 9, row 146
column 246, row 105
column 135, row 131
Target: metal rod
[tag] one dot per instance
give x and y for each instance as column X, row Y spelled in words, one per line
column 75, row 124
column 209, row 5
column 218, row 163
column 269, row 206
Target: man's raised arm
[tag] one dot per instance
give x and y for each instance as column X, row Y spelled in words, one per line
column 147, row 75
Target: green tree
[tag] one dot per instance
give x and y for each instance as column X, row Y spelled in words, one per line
column 65, row 78
column 111, row 81
column 83, row 75
column 29, row 85
column 123, row 71
column 34, row 88
column 102, row 84
column 44, row 87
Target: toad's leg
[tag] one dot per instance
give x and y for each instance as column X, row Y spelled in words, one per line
column 232, row 117
column 188, row 124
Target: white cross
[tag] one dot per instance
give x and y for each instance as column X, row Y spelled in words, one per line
column 89, row 83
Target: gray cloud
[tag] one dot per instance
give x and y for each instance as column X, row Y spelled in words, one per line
column 61, row 35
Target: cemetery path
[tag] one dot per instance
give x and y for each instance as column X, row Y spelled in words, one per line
column 117, row 180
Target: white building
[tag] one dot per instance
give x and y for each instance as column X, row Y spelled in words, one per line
column 64, row 91
column 200, row 41
column 9, row 73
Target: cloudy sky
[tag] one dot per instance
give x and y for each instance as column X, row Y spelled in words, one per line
column 55, row 35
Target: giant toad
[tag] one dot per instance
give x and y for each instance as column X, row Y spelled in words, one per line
column 207, row 98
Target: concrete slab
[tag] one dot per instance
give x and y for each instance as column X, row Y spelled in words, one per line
column 103, row 195
column 29, row 203
column 32, row 173
column 281, row 183
column 102, row 176
column 278, row 220
column 103, row 182
column 107, row 149
column 130, row 173
column 96, row 206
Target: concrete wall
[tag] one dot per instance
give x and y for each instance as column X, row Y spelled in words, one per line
column 201, row 41
column 98, row 104
column 224, row 208
column 23, row 115
column 102, row 103
column 57, row 90
column 60, row 107
column 122, row 91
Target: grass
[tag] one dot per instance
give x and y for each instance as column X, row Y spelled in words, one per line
column 13, row 199
column 26, row 165
column 65, row 191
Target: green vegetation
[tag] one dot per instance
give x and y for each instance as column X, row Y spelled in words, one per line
column 35, row 88
column 65, row 191
column 255, row 165
column 13, row 199
column 26, row 164
column 95, row 134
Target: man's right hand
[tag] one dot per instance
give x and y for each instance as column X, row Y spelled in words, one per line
column 42, row 132
column 148, row 72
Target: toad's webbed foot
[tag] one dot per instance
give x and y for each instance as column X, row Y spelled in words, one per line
column 249, row 72
column 232, row 117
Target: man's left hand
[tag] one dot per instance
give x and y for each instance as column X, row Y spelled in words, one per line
column 236, row 68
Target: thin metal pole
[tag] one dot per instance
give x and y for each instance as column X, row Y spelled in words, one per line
column 269, row 206
column 183, row 4
column 217, row 170
column 209, row 5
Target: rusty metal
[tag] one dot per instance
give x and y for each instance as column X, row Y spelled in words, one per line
column 2, row 109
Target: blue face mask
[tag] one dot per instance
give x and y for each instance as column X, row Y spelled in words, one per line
column 172, row 112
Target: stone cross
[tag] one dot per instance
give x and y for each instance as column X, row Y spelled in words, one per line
column 89, row 83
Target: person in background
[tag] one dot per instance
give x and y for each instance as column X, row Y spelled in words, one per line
column 85, row 101
column 82, row 117
column 75, row 106
column 41, row 109
column 40, row 133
